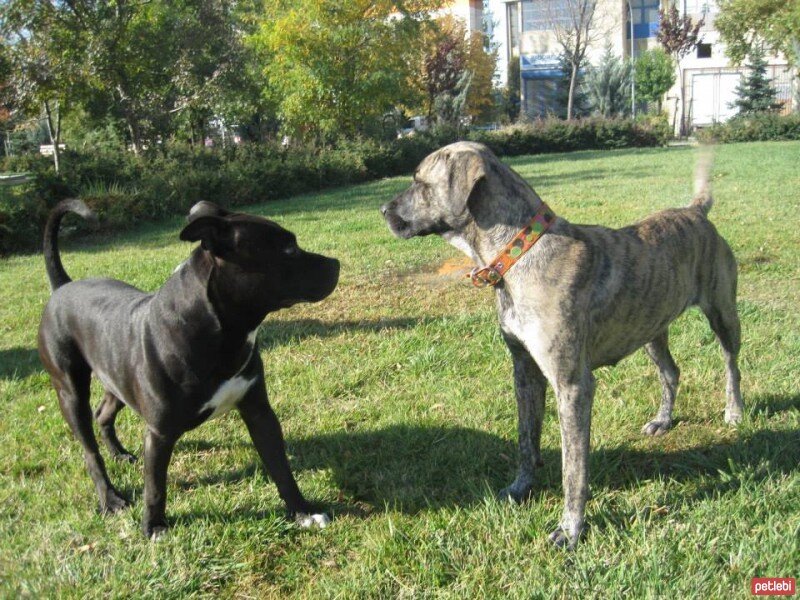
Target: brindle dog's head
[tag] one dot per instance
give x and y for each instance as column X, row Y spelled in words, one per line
column 259, row 259
column 438, row 199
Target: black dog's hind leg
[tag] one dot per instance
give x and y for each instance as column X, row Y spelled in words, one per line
column 105, row 415
column 265, row 430
column 73, row 397
column 530, row 386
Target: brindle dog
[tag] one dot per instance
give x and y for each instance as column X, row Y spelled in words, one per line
column 584, row 296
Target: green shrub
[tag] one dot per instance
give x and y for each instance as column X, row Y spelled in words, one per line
column 124, row 188
column 753, row 128
column 553, row 135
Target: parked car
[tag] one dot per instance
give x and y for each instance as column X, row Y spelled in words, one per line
column 414, row 124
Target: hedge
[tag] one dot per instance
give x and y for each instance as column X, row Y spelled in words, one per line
column 124, row 188
column 756, row 128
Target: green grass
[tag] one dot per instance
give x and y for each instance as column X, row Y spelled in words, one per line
column 396, row 398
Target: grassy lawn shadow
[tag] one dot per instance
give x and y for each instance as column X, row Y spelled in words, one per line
column 416, row 468
column 278, row 333
column 19, row 363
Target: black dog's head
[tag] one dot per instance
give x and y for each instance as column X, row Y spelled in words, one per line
column 259, row 261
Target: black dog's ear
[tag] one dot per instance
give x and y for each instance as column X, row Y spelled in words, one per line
column 205, row 208
column 215, row 233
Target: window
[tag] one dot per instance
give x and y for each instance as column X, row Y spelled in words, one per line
column 542, row 15
column 645, row 18
column 703, row 50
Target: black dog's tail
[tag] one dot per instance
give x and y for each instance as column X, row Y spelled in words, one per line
column 52, row 260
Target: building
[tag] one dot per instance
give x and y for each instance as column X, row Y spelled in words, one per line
column 709, row 78
column 469, row 11
column 525, row 32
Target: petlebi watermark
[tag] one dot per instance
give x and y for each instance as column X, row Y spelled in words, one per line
column 773, row 586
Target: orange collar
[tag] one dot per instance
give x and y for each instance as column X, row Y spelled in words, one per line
column 514, row 250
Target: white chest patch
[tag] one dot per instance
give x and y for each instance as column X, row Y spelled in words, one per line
column 228, row 395
column 232, row 390
column 459, row 243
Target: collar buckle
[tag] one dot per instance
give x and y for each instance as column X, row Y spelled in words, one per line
column 487, row 276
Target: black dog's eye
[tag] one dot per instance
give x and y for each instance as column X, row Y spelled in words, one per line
column 291, row 250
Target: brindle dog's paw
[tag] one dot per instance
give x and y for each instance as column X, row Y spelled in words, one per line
column 313, row 521
column 516, row 493
column 657, row 427
column 113, row 502
column 733, row 418
column 561, row 539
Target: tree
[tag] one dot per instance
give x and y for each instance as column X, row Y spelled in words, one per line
column 609, row 85
column 444, row 64
column 580, row 101
column 755, row 93
column 482, row 63
column 45, row 50
column 511, row 94
column 743, row 24
column 572, row 22
column 654, row 75
column 678, row 35
column 332, row 67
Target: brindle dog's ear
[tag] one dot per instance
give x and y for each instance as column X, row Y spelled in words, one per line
column 205, row 208
column 466, row 170
column 215, row 233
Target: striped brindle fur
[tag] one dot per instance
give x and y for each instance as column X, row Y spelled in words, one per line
column 584, row 296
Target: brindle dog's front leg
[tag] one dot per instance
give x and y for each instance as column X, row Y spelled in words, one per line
column 530, row 386
column 574, row 394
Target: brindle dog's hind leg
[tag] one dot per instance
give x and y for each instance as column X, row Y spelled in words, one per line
column 106, row 415
column 725, row 322
column 668, row 372
column 719, row 307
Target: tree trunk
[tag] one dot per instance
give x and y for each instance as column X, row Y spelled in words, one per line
column 54, row 130
column 682, row 125
column 133, row 129
column 571, row 96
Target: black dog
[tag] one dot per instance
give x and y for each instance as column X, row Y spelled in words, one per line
column 182, row 355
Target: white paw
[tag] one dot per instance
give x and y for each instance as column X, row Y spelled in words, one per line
column 733, row 417
column 320, row 521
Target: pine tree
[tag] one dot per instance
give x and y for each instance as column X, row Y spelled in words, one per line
column 755, row 92
column 609, row 85
column 580, row 103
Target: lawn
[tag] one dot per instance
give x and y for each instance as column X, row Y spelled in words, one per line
column 396, row 398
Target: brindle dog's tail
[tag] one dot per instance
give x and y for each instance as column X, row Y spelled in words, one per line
column 702, row 180
column 52, row 260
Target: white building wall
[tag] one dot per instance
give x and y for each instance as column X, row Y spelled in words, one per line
column 497, row 21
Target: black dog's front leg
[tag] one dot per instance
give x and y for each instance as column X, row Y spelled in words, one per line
column 265, row 430
column 157, row 453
